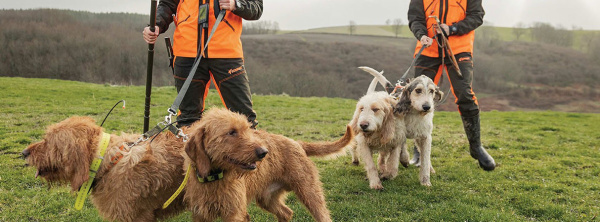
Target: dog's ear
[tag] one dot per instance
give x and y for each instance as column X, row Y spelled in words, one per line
column 388, row 127
column 354, row 121
column 404, row 103
column 74, row 154
column 438, row 94
column 194, row 148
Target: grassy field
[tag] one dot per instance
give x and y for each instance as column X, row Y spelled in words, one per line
column 549, row 162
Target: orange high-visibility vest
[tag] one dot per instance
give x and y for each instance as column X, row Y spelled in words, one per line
column 225, row 43
column 454, row 12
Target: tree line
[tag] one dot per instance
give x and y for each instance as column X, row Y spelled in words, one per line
column 108, row 48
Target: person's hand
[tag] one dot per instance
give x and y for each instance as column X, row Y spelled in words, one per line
column 149, row 36
column 227, row 4
column 445, row 28
column 426, row 41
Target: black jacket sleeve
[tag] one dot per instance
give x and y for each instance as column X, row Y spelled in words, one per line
column 164, row 14
column 249, row 9
column 416, row 18
column 473, row 19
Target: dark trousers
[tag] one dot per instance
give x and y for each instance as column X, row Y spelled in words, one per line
column 230, row 79
column 461, row 86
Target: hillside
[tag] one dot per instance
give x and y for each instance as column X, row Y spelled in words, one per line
column 107, row 48
column 548, row 161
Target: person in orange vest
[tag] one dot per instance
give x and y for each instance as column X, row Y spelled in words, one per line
column 222, row 62
column 458, row 19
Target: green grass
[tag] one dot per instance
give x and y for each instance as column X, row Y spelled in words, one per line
column 548, row 161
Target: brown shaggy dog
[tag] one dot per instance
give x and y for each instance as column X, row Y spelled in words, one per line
column 256, row 166
column 134, row 189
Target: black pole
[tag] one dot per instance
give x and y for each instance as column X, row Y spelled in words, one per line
column 149, row 68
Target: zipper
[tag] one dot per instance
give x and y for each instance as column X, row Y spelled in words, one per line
column 427, row 8
column 458, row 2
column 230, row 26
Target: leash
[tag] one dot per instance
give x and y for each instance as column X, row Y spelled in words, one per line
column 172, row 111
column 445, row 45
column 84, row 190
column 402, row 80
column 185, row 179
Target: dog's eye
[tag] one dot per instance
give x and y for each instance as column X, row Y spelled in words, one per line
column 375, row 109
column 361, row 109
column 431, row 91
column 419, row 91
column 232, row 133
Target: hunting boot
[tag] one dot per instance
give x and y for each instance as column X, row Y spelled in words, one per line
column 472, row 129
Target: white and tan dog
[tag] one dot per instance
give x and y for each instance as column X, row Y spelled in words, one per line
column 414, row 112
column 377, row 129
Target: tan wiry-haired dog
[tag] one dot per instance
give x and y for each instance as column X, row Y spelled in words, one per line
column 133, row 189
column 413, row 119
column 377, row 130
column 255, row 165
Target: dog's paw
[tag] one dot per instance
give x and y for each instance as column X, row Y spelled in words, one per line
column 425, row 181
column 376, row 186
column 388, row 176
column 416, row 162
column 405, row 164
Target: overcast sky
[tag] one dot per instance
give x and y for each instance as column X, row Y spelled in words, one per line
column 305, row 14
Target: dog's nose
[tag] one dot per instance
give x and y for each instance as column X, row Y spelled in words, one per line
column 426, row 107
column 364, row 125
column 26, row 153
column 261, row 152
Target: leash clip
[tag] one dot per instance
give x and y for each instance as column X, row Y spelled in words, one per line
column 169, row 118
column 182, row 135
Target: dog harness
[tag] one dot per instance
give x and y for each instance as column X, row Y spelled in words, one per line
column 84, row 190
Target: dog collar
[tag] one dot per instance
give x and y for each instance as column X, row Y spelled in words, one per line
column 212, row 177
column 215, row 175
column 84, row 190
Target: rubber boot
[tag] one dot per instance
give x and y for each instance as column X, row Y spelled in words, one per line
column 472, row 129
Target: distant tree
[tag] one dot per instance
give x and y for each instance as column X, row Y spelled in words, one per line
column 397, row 26
column 586, row 41
column 594, row 49
column 544, row 32
column 261, row 27
column 519, row 30
column 352, row 27
column 487, row 36
column 387, row 22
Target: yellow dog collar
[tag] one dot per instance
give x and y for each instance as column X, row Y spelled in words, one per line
column 84, row 190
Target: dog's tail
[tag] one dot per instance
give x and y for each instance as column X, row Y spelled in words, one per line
column 329, row 149
column 380, row 78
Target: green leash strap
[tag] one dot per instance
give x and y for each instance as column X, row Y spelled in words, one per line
column 185, row 179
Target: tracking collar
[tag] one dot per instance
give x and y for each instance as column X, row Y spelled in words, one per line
column 213, row 176
column 84, row 190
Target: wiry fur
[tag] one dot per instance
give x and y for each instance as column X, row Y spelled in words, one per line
column 377, row 129
column 132, row 190
column 224, row 140
column 416, row 107
column 414, row 119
